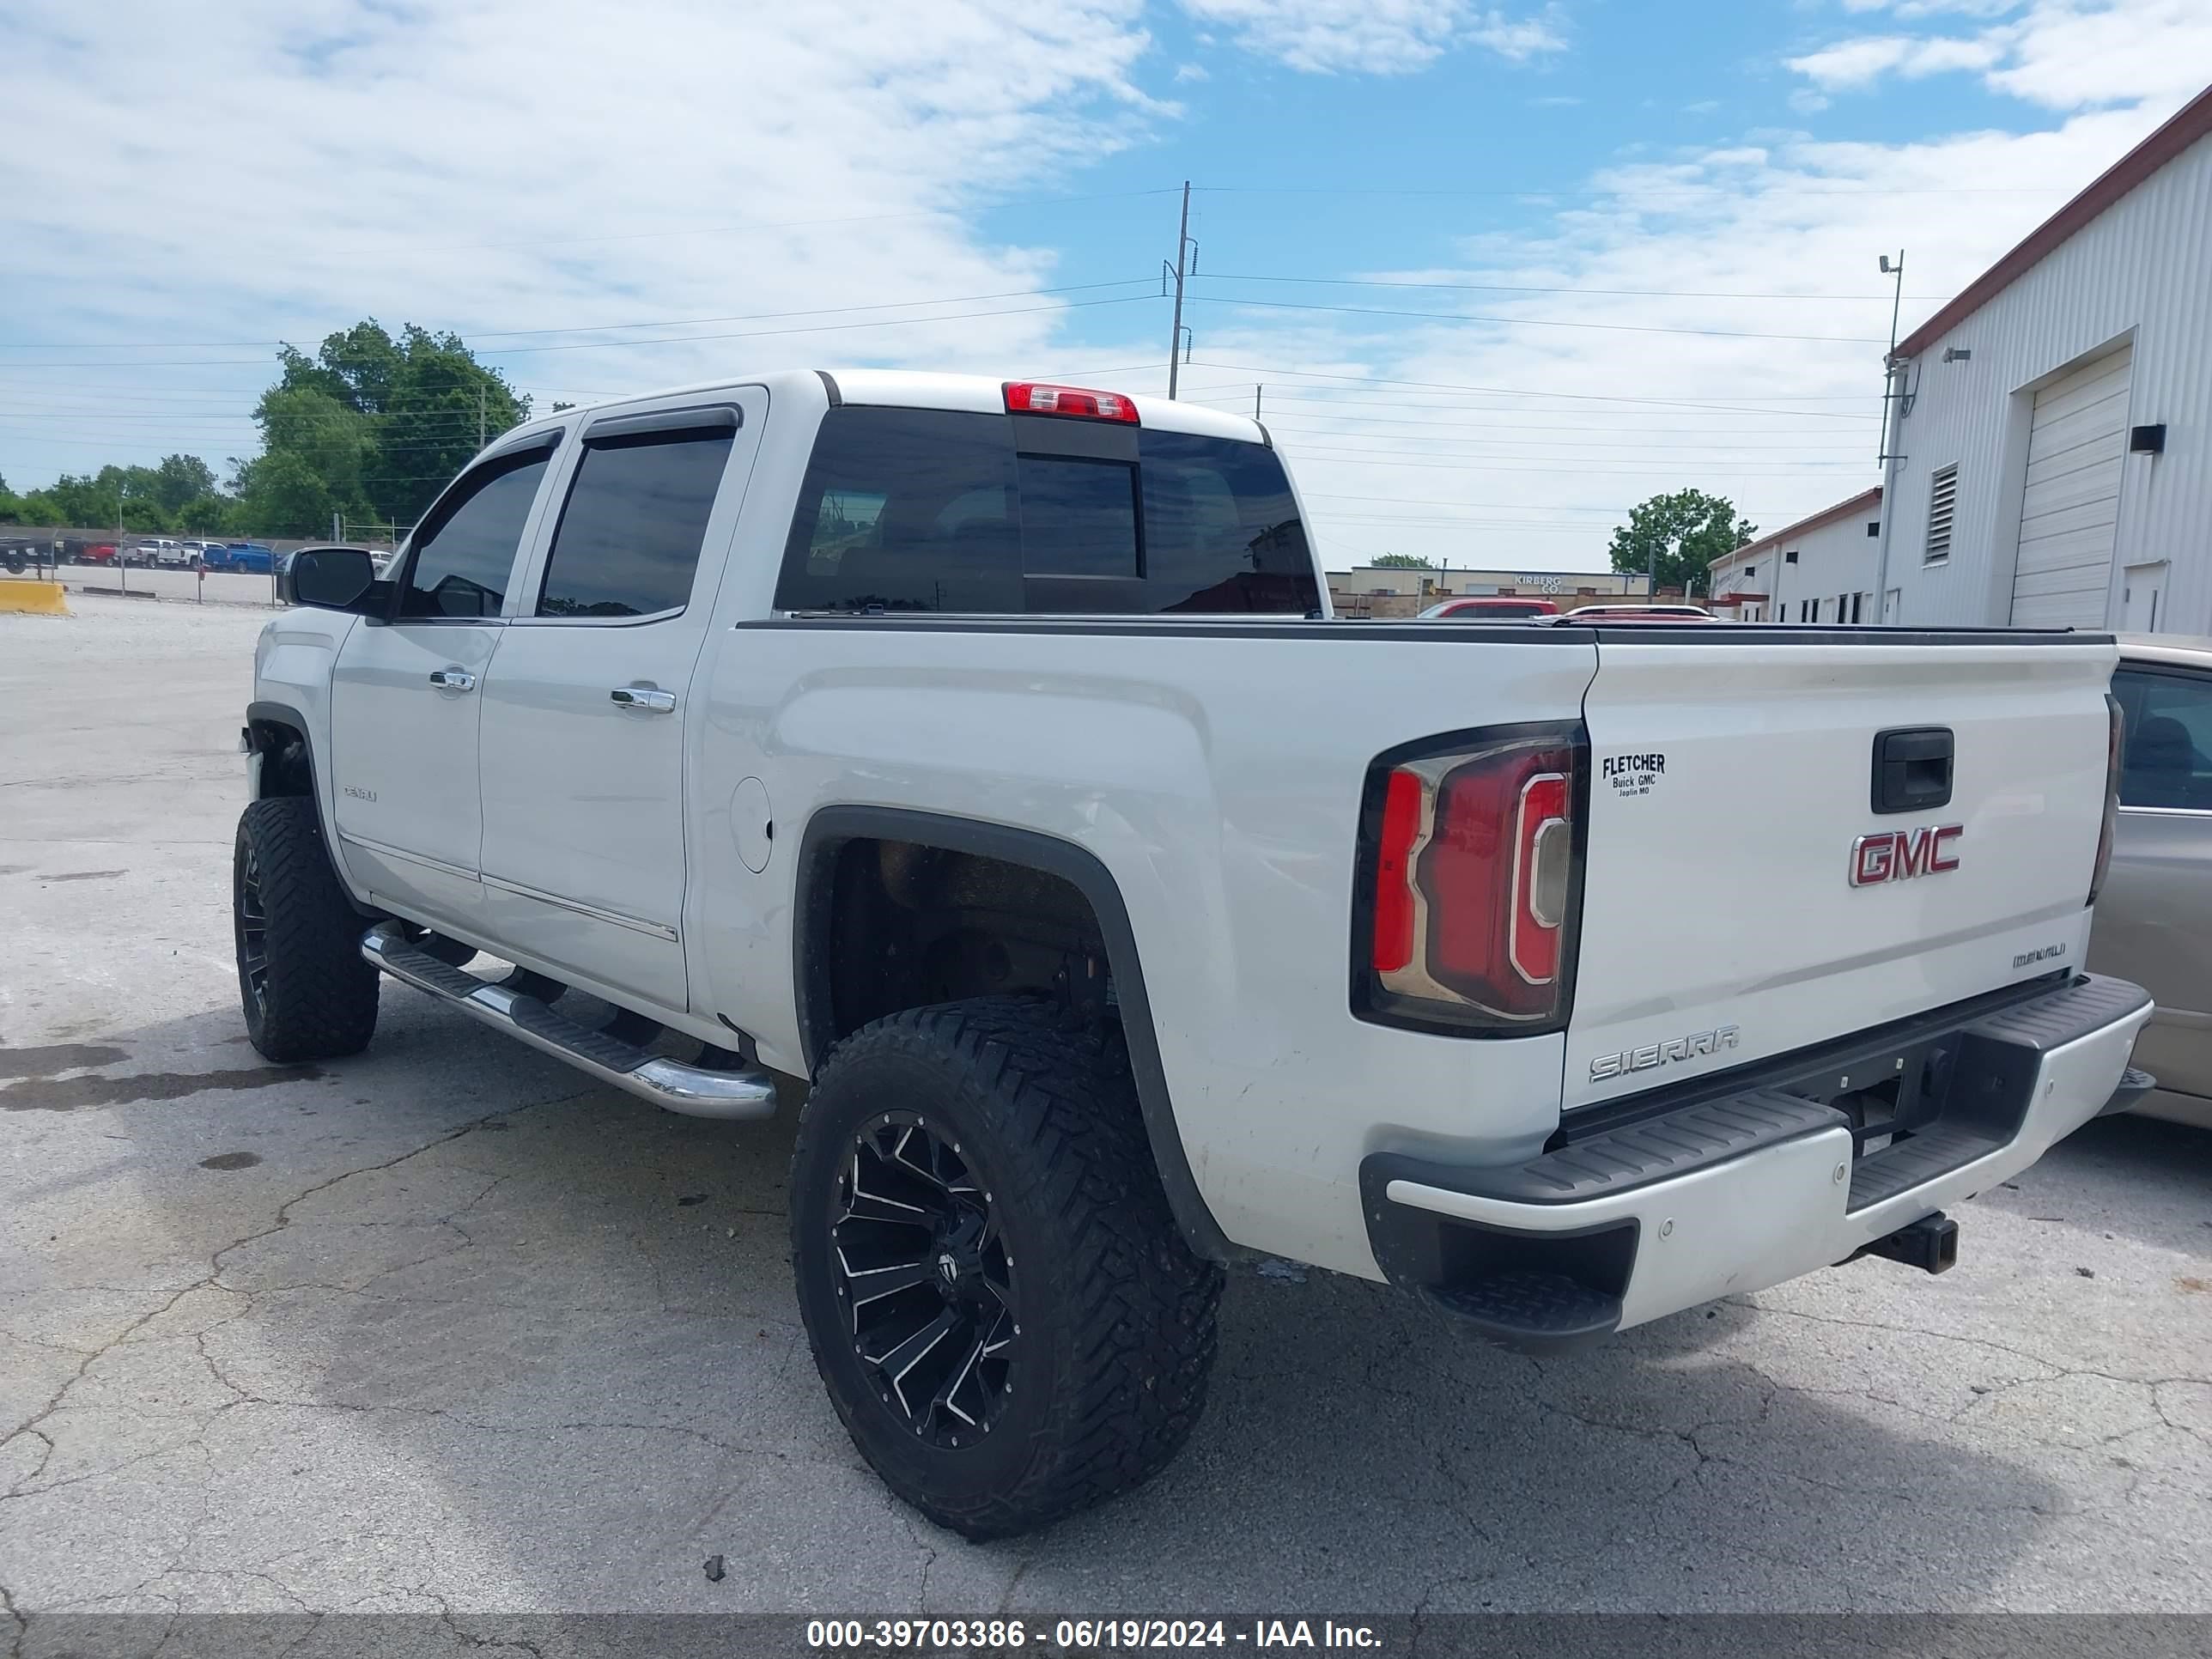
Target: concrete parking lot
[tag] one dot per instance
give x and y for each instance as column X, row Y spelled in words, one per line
column 209, row 587
column 446, row 1328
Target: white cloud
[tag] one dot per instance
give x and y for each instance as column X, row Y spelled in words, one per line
column 1505, row 439
column 1851, row 65
column 1378, row 37
column 2072, row 56
column 1191, row 72
column 529, row 164
column 2063, row 54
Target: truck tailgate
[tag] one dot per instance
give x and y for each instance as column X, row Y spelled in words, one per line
column 1731, row 782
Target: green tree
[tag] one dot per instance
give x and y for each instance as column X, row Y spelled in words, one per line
column 1675, row 537
column 335, row 443
column 11, row 505
column 426, row 404
column 181, row 478
column 205, row 515
column 1401, row 562
column 282, row 494
column 40, row 508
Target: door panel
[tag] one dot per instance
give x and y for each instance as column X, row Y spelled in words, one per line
column 2155, row 926
column 404, row 763
column 406, row 697
column 2154, row 917
column 584, row 716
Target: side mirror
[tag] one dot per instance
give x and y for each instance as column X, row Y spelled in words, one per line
column 332, row 578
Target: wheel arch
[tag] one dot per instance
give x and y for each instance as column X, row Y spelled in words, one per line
column 279, row 733
column 813, row 926
column 271, row 730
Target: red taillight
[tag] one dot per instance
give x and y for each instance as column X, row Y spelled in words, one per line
column 2115, row 742
column 1394, row 919
column 1474, row 863
column 1040, row 397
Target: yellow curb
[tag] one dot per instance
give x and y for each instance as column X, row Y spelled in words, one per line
column 33, row 599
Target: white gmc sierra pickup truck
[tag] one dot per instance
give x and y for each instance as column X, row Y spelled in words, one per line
column 985, row 754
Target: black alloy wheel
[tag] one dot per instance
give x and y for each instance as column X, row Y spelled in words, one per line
column 253, row 915
column 924, row 1279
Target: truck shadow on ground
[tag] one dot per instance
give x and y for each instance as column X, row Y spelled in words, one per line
column 545, row 1356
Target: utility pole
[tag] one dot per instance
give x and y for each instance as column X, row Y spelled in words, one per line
column 1892, row 413
column 1176, row 273
column 1256, row 391
column 480, row 410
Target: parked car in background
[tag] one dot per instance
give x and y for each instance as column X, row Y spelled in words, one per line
column 1610, row 614
column 2154, row 915
column 1491, row 607
column 79, row 550
column 254, row 558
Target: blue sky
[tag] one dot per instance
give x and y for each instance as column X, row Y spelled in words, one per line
column 1644, row 238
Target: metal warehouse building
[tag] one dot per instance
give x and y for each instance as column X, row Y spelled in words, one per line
column 2051, row 450
column 1819, row 569
column 2054, row 464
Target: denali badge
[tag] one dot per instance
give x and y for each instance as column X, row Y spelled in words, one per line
column 1692, row 1047
column 1901, row 855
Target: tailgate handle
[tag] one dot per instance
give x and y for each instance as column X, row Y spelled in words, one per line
column 1912, row 769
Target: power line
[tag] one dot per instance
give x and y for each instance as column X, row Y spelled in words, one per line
column 472, row 335
column 1517, row 288
column 794, row 224
column 1489, row 507
column 1349, row 396
column 1300, row 426
column 1620, row 190
column 1419, row 386
column 1535, row 322
column 684, row 339
column 1520, row 463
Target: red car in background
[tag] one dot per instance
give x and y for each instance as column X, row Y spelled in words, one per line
column 1607, row 615
column 1491, row 607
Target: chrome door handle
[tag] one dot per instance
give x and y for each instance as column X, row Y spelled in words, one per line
column 453, row 679
column 650, row 698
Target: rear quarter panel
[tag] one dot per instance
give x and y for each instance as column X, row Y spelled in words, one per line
column 1218, row 776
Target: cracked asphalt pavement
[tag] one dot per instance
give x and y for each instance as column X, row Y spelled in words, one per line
column 446, row 1328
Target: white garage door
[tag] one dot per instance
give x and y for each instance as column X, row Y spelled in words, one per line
column 2075, row 450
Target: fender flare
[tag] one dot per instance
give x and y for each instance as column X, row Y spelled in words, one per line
column 833, row 826
column 283, row 714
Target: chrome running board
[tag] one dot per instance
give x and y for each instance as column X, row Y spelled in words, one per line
column 693, row 1091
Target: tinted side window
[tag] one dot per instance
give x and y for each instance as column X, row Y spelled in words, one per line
column 906, row 510
column 2167, row 761
column 924, row 510
column 1221, row 532
column 461, row 565
column 630, row 535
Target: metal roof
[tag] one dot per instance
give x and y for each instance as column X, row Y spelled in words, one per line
column 1864, row 499
column 2192, row 123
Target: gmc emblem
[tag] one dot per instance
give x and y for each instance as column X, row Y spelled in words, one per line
column 1901, row 855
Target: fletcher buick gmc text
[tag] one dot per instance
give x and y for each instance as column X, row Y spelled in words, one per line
column 985, row 753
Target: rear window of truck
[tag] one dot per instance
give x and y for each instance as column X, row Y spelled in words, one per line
column 933, row 510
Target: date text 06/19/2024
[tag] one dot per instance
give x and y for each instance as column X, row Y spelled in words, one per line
column 1083, row 1635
